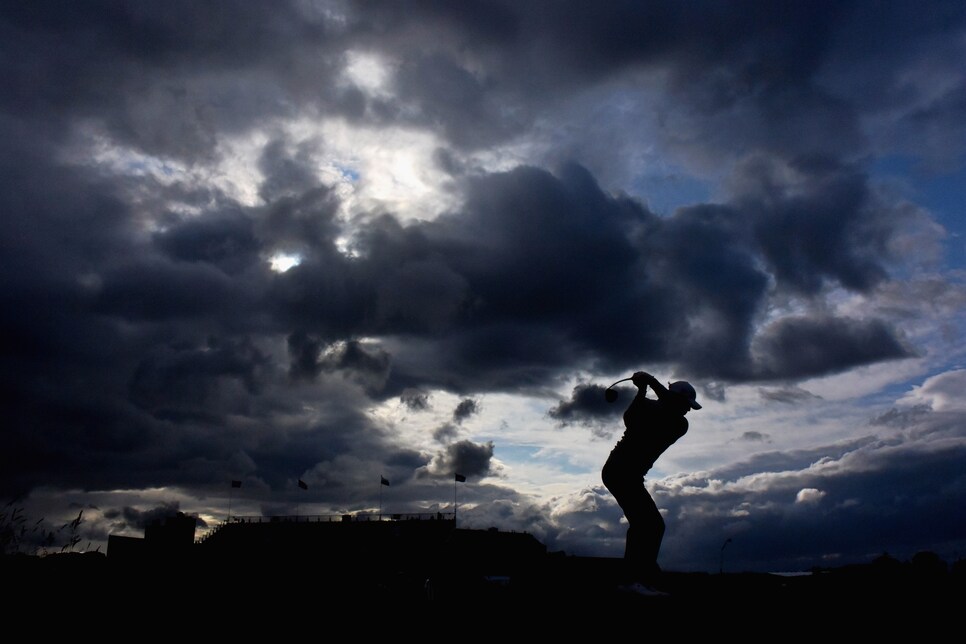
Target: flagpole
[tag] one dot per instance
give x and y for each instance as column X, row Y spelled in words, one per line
column 298, row 504
column 457, row 478
column 231, row 492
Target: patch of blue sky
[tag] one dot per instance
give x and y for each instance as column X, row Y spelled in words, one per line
column 665, row 193
column 349, row 173
column 943, row 194
column 513, row 452
column 519, row 453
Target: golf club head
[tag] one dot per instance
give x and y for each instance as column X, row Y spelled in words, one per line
column 610, row 394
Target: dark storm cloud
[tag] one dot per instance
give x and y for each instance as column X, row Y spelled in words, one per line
column 446, row 433
column 415, row 400
column 181, row 377
column 587, row 405
column 713, row 390
column 466, row 408
column 465, row 457
column 738, row 78
column 841, row 233
column 636, row 288
column 613, row 297
column 515, row 231
column 285, row 174
column 754, row 436
column 449, row 95
column 160, row 290
column 301, row 222
column 167, row 79
column 172, row 78
column 827, row 78
column 577, row 40
column 304, row 354
column 226, row 241
column 704, row 252
column 322, row 297
column 340, row 455
column 156, row 345
column 355, row 357
column 129, row 517
column 67, row 221
column 152, row 346
column 790, row 395
column 623, row 261
column 797, row 347
column 368, row 366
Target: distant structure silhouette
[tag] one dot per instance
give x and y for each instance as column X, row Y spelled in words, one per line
column 651, row 426
column 286, row 569
column 425, row 552
column 167, row 537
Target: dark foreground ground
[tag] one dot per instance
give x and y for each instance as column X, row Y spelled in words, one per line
column 560, row 597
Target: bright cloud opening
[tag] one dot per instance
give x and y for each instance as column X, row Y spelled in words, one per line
column 281, row 262
column 369, row 72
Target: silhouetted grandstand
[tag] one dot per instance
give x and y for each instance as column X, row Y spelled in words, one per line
column 418, row 553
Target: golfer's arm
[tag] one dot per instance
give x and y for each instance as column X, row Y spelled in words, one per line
column 644, row 380
column 659, row 390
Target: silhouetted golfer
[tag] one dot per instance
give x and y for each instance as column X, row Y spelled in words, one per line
column 651, row 426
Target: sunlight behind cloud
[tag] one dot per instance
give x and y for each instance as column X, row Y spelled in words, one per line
column 367, row 71
column 281, row 262
column 394, row 169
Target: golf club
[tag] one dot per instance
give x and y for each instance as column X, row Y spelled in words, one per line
column 610, row 394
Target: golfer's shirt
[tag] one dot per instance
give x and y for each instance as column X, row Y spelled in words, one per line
column 650, row 430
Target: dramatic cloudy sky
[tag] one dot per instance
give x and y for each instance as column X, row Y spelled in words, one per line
column 335, row 241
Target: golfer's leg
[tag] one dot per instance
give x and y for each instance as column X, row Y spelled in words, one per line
column 637, row 509
column 652, row 534
column 644, row 535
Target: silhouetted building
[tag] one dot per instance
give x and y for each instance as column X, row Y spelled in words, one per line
column 170, row 537
column 171, row 533
column 362, row 549
column 357, row 546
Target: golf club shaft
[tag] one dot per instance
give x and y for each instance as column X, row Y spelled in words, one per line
column 620, row 381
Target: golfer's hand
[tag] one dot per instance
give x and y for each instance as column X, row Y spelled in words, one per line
column 642, row 379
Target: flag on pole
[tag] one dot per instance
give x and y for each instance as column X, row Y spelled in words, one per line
column 236, row 483
column 460, row 478
column 383, row 481
column 303, row 485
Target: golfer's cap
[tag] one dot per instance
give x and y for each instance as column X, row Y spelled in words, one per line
column 686, row 390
